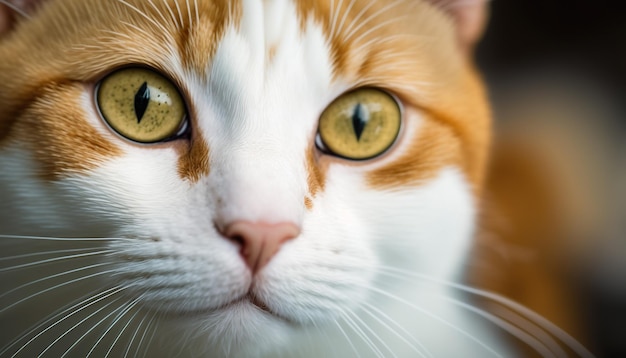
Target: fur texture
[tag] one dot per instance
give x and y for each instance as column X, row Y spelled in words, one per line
column 118, row 245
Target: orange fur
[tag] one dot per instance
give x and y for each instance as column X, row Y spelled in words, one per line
column 199, row 40
column 316, row 173
column 435, row 146
column 194, row 160
column 404, row 57
column 519, row 249
column 308, row 203
column 43, row 123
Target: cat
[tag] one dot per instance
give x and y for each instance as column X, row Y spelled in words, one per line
column 252, row 178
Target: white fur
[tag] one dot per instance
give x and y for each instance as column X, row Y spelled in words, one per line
column 259, row 116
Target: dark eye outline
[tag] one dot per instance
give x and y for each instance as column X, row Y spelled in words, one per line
column 183, row 132
column 319, row 143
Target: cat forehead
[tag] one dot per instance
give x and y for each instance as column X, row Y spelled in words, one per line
column 361, row 43
column 269, row 63
column 368, row 42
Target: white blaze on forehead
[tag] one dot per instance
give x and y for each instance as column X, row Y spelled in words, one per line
column 278, row 19
column 261, row 113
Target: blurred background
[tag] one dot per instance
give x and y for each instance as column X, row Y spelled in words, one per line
column 557, row 76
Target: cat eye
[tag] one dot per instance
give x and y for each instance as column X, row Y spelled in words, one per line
column 361, row 124
column 141, row 105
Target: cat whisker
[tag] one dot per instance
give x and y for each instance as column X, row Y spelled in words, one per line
column 376, row 40
column 143, row 335
column 158, row 314
column 343, row 332
column 181, row 344
column 30, row 283
column 526, row 325
column 115, row 35
column 397, row 56
column 230, row 9
column 364, row 337
column 377, row 81
column 41, row 253
column 195, row 5
column 104, row 295
column 357, row 18
column 339, row 27
column 45, row 321
column 542, row 322
column 189, row 13
column 406, row 66
column 165, row 21
column 370, row 310
column 516, row 332
column 76, row 325
column 434, row 317
column 343, row 18
column 16, row 9
column 54, row 288
column 142, row 14
column 332, row 10
column 377, row 27
column 77, row 239
column 324, row 332
column 448, row 5
column 180, row 14
column 124, row 309
column 172, row 16
column 372, row 17
column 147, row 36
column 119, row 335
column 55, row 259
column 334, row 14
column 372, row 332
column 92, row 328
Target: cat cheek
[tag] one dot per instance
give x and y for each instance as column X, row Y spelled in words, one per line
column 56, row 121
column 430, row 147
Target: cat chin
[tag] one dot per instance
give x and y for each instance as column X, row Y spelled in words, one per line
column 240, row 329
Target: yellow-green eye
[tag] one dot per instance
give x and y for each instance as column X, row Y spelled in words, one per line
column 141, row 105
column 361, row 124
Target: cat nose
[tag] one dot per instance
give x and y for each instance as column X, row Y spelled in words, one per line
column 260, row 241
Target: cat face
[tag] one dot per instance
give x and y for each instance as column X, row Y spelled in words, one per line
column 247, row 84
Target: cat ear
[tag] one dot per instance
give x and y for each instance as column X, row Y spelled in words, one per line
column 470, row 17
column 11, row 10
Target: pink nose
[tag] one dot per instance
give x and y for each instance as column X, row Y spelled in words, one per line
column 260, row 241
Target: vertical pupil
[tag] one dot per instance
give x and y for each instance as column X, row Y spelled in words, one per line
column 360, row 116
column 142, row 99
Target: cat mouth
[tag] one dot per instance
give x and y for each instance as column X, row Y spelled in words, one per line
column 248, row 299
column 237, row 312
column 253, row 300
